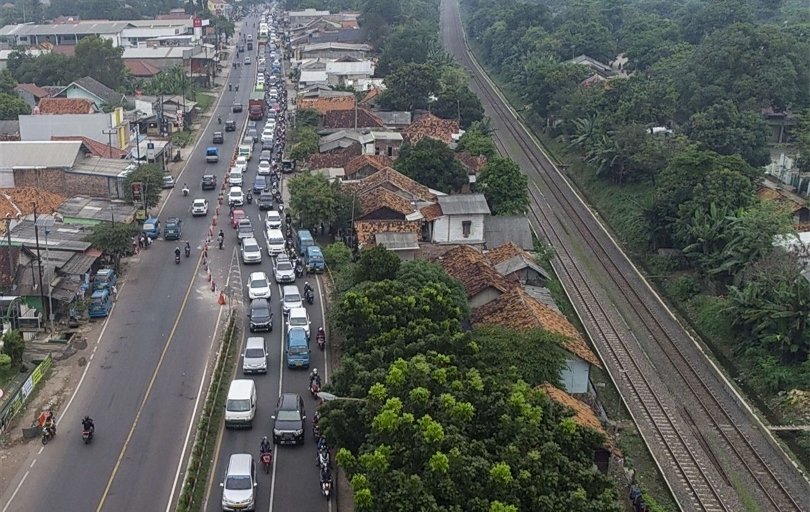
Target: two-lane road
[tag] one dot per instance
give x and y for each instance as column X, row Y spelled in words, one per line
column 143, row 380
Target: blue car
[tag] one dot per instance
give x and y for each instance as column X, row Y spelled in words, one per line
column 297, row 348
column 313, row 259
column 151, row 227
column 259, row 185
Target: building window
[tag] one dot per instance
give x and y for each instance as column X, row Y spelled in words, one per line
column 466, row 227
column 390, row 152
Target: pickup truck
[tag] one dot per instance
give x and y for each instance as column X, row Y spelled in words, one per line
column 212, row 155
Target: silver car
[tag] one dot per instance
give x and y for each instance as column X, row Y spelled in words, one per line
column 251, row 251
column 254, row 360
column 283, row 270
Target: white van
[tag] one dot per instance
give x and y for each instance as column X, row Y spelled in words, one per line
column 240, row 407
column 239, row 484
column 275, row 241
column 254, row 360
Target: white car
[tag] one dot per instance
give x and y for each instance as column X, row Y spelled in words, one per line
column 298, row 317
column 259, row 286
column 260, row 77
column 283, row 270
column 236, row 197
column 273, row 220
column 235, row 178
column 275, row 241
column 241, row 164
column 264, row 168
column 291, row 298
column 199, row 207
column 267, row 137
column 251, row 252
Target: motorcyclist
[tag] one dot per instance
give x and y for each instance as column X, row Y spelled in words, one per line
column 307, row 288
column 188, row 248
column 219, row 120
column 177, row 252
column 326, row 476
column 230, row 87
column 50, row 422
column 265, row 446
column 185, row 189
column 321, row 334
column 314, row 377
column 88, row 424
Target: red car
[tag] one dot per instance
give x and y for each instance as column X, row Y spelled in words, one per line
column 237, row 215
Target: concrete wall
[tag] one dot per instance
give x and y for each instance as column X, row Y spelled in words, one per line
column 43, row 127
column 78, row 92
column 64, row 183
column 575, row 375
column 449, row 229
column 485, row 296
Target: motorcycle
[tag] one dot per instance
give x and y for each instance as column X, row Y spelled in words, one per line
column 326, row 488
column 48, row 433
column 249, row 198
column 87, row 435
column 299, row 272
column 188, row 251
column 323, row 460
column 314, row 388
column 316, row 432
column 308, row 295
column 177, row 258
column 267, row 459
column 185, row 191
column 321, row 339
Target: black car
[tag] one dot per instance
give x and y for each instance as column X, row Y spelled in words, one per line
column 288, row 420
column 237, row 107
column 265, row 200
column 209, row 182
column 230, row 125
column 261, row 318
column 218, row 138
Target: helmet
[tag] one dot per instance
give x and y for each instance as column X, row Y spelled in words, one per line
column 320, row 329
column 314, row 371
column 306, row 284
column 264, row 439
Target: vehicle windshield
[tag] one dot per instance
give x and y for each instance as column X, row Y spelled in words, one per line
column 299, row 320
column 276, row 241
column 199, row 203
column 254, row 353
column 148, row 227
column 251, row 247
column 258, row 283
column 284, row 265
column 238, row 483
column 239, row 405
column 245, row 228
column 261, row 312
column 236, row 193
column 292, row 297
column 288, row 416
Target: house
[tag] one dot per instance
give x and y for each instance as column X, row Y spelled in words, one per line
column 324, row 103
column 383, row 204
column 342, row 35
column 393, row 120
column 31, row 93
column 301, row 18
column 86, row 210
column 331, row 51
column 312, row 77
column 501, row 229
column 481, row 282
column 339, row 140
column 784, row 169
column 382, row 142
column 445, row 130
column 27, row 34
column 515, row 264
column 397, row 182
column 59, row 106
column 404, row 245
column 458, row 219
column 94, row 147
column 515, row 309
column 794, row 204
column 363, row 166
column 334, row 159
column 140, row 68
column 321, row 23
column 5, row 54
column 348, row 71
column 601, row 69
column 355, row 118
column 65, row 168
column 89, row 88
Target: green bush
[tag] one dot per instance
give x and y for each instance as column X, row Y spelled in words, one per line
column 182, row 138
column 5, row 362
column 337, row 255
column 14, row 346
column 683, row 288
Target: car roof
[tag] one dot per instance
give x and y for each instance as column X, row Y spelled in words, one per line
column 263, row 303
column 275, row 232
column 290, row 288
column 248, row 240
column 273, row 213
column 235, row 189
column 200, row 200
column 209, row 176
column 302, row 312
column 290, row 400
column 240, row 464
column 297, row 335
column 254, row 341
column 256, row 275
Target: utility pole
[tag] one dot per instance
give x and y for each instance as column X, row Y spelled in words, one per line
column 11, row 273
column 109, row 133
column 50, row 279
column 39, row 261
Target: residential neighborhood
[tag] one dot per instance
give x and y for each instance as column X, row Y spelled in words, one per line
column 457, row 246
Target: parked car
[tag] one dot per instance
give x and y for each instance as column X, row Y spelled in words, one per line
column 288, row 419
column 261, row 318
column 251, row 251
column 259, row 286
column 209, row 182
column 151, row 227
column 168, row 182
column 199, row 207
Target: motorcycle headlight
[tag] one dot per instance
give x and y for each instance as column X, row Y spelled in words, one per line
column 276, row 432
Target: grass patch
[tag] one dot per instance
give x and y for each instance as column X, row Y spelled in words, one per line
column 182, row 138
column 211, row 419
column 205, row 101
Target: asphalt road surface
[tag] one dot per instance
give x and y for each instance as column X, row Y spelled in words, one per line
column 143, row 380
column 293, row 481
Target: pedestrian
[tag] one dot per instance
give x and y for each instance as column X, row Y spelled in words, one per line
column 115, row 293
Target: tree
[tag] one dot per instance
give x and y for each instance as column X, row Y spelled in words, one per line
column 7, row 82
column 46, row 69
column 728, row 131
column 416, row 274
column 12, row 106
column 460, row 104
column 432, row 163
column 476, row 142
column 410, row 86
column 308, row 117
column 337, row 255
column 151, row 178
column 406, row 44
column 312, row 200
column 223, row 25
column 14, row 347
column 101, row 60
column 504, row 186
column 306, row 143
column 376, row 264
column 113, row 239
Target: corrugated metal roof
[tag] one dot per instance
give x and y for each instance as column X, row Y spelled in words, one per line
column 363, row 67
column 397, row 241
column 312, row 76
column 38, row 154
column 81, row 28
column 464, row 204
column 500, row 229
column 79, row 263
column 163, row 52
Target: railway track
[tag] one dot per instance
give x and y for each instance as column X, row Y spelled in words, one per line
column 712, row 451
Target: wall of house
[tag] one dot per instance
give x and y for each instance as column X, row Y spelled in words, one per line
column 64, row 183
column 485, row 296
column 43, row 127
column 575, row 376
column 449, row 229
column 78, row 92
column 27, row 97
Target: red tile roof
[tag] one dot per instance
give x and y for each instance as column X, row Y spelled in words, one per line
column 354, row 118
column 394, row 180
column 473, row 164
column 431, row 126
column 583, row 414
column 325, row 104
column 370, row 95
column 94, row 147
column 141, row 68
column 66, row 106
column 382, row 198
column 358, row 163
column 34, row 90
column 469, row 266
column 338, row 158
column 367, row 229
column 506, row 251
column 432, row 212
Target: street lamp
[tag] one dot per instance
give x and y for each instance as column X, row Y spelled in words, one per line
column 329, row 397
